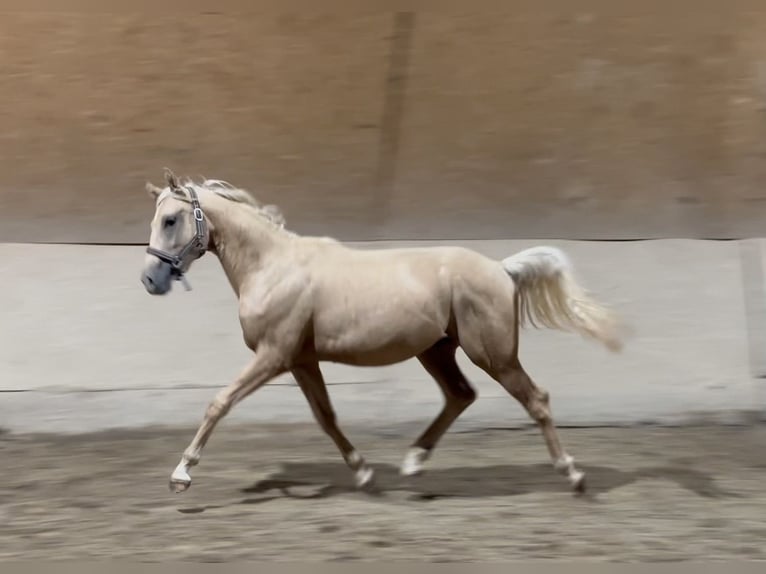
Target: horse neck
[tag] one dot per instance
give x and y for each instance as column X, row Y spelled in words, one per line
column 242, row 241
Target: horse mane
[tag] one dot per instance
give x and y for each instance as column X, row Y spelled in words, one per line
column 234, row 194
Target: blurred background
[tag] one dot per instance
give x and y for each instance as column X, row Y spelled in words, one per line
column 630, row 134
column 531, row 119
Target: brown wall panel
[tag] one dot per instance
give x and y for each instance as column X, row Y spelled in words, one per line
column 92, row 105
column 611, row 123
column 502, row 120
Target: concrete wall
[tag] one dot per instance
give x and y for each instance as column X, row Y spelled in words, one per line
column 498, row 120
column 83, row 347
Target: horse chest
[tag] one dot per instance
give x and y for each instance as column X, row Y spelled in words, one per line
column 277, row 314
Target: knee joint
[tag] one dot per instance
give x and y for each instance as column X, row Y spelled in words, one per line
column 217, row 408
column 538, row 404
column 541, row 414
column 462, row 397
column 466, row 397
column 540, row 410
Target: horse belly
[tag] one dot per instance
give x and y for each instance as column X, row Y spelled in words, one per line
column 384, row 335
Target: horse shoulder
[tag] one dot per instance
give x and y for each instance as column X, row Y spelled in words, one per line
column 275, row 308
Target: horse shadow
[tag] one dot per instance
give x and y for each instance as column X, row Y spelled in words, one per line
column 325, row 479
column 332, row 478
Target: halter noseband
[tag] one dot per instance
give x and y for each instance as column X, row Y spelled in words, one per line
column 193, row 250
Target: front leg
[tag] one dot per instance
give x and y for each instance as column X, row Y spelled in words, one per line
column 264, row 367
column 312, row 383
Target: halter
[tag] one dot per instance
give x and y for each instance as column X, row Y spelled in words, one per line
column 191, row 251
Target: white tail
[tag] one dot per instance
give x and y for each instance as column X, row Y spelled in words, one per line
column 549, row 295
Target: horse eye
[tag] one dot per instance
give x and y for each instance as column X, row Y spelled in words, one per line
column 170, row 221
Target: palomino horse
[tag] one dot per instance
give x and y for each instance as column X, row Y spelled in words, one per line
column 303, row 300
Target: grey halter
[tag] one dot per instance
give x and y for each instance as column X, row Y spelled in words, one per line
column 193, row 250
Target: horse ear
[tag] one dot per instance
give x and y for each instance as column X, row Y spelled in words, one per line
column 171, row 179
column 153, row 191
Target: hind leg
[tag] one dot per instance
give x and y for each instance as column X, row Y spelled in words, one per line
column 440, row 363
column 536, row 401
column 484, row 338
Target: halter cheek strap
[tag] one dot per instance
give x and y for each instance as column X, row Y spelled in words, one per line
column 193, row 250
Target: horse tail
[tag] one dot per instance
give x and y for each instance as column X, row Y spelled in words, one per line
column 549, row 295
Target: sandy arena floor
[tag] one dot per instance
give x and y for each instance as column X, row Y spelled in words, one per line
column 284, row 494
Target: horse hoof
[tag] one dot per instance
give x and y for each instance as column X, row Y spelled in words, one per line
column 413, row 462
column 179, row 486
column 365, row 478
column 578, row 483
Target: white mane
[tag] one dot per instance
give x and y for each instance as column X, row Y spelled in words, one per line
column 227, row 191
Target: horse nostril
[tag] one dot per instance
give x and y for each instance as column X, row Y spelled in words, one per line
column 147, row 281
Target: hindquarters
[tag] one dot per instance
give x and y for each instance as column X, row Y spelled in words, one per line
column 484, row 314
column 492, row 300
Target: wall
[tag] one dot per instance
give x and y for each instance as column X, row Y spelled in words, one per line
column 101, row 353
column 505, row 120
